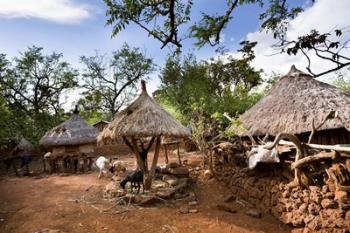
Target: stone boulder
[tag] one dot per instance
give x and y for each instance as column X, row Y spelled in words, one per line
column 328, row 203
column 180, row 171
column 172, row 165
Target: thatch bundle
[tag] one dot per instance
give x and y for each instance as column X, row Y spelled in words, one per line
column 143, row 118
column 74, row 131
column 296, row 103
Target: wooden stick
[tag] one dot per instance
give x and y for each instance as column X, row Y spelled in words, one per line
column 211, row 167
column 313, row 131
column 166, row 154
column 313, row 158
column 321, row 147
column 178, row 153
column 138, row 155
column 150, row 143
column 154, row 164
column 299, row 153
column 330, row 147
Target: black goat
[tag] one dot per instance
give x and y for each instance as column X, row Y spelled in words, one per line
column 135, row 178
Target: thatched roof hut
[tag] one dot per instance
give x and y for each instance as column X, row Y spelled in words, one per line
column 72, row 133
column 143, row 118
column 24, row 145
column 297, row 103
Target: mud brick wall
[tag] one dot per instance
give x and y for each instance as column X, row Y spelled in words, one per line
column 312, row 209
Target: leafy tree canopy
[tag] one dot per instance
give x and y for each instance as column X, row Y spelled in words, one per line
column 110, row 84
column 169, row 21
column 207, row 88
column 31, row 85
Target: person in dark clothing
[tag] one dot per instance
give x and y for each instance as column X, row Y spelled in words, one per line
column 10, row 162
column 25, row 160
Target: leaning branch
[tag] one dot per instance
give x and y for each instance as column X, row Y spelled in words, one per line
column 313, row 158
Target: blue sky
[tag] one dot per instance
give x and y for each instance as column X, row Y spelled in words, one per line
column 82, row 36
column 77, row 27
column 89, row 34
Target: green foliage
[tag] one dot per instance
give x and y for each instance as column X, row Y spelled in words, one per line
column 342, row 83
column 235, row 128
column 277, row 15
column 111, row 84
column 199, row 93
column 212, row 87
column 208, row 29
column 171, row 109
column 163, row 19
column 30, row 87
column 166, row 15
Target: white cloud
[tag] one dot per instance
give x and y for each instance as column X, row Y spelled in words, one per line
column 61, row 11
column 324, row 15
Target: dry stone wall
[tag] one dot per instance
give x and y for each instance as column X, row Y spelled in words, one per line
column 312, row 209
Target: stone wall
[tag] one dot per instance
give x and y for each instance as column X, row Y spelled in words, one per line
column 311, row 209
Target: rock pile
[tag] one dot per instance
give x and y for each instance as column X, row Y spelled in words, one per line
column 311, row 209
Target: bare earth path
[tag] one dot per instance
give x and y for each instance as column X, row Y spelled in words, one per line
column 28, row 205
column 54, row 202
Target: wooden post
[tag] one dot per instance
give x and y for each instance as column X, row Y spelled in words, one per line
column 44, row 164
column 166, row 153
column 150, row 176
column 140, row 163
column 211, row 167
column 178, row 152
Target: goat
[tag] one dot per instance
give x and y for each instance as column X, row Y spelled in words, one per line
column 135, row 178
column 104, row 165
column 118, row 166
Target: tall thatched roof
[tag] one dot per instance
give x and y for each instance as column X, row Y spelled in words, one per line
column 143, row 118
column 293, row 103
column 24, row 145
column 74, row 131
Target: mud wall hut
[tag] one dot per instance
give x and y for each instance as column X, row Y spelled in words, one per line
column 72, row 137
column 24, row 145
column 299, row 104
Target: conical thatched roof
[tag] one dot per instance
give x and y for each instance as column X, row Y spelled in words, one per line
column 74, row 131
column 293, row 103
column 143, row 118
column 24, row 145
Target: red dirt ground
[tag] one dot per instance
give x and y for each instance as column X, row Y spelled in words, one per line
column 29, row 205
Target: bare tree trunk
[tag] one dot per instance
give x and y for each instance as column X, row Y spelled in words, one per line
column 150, row 176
